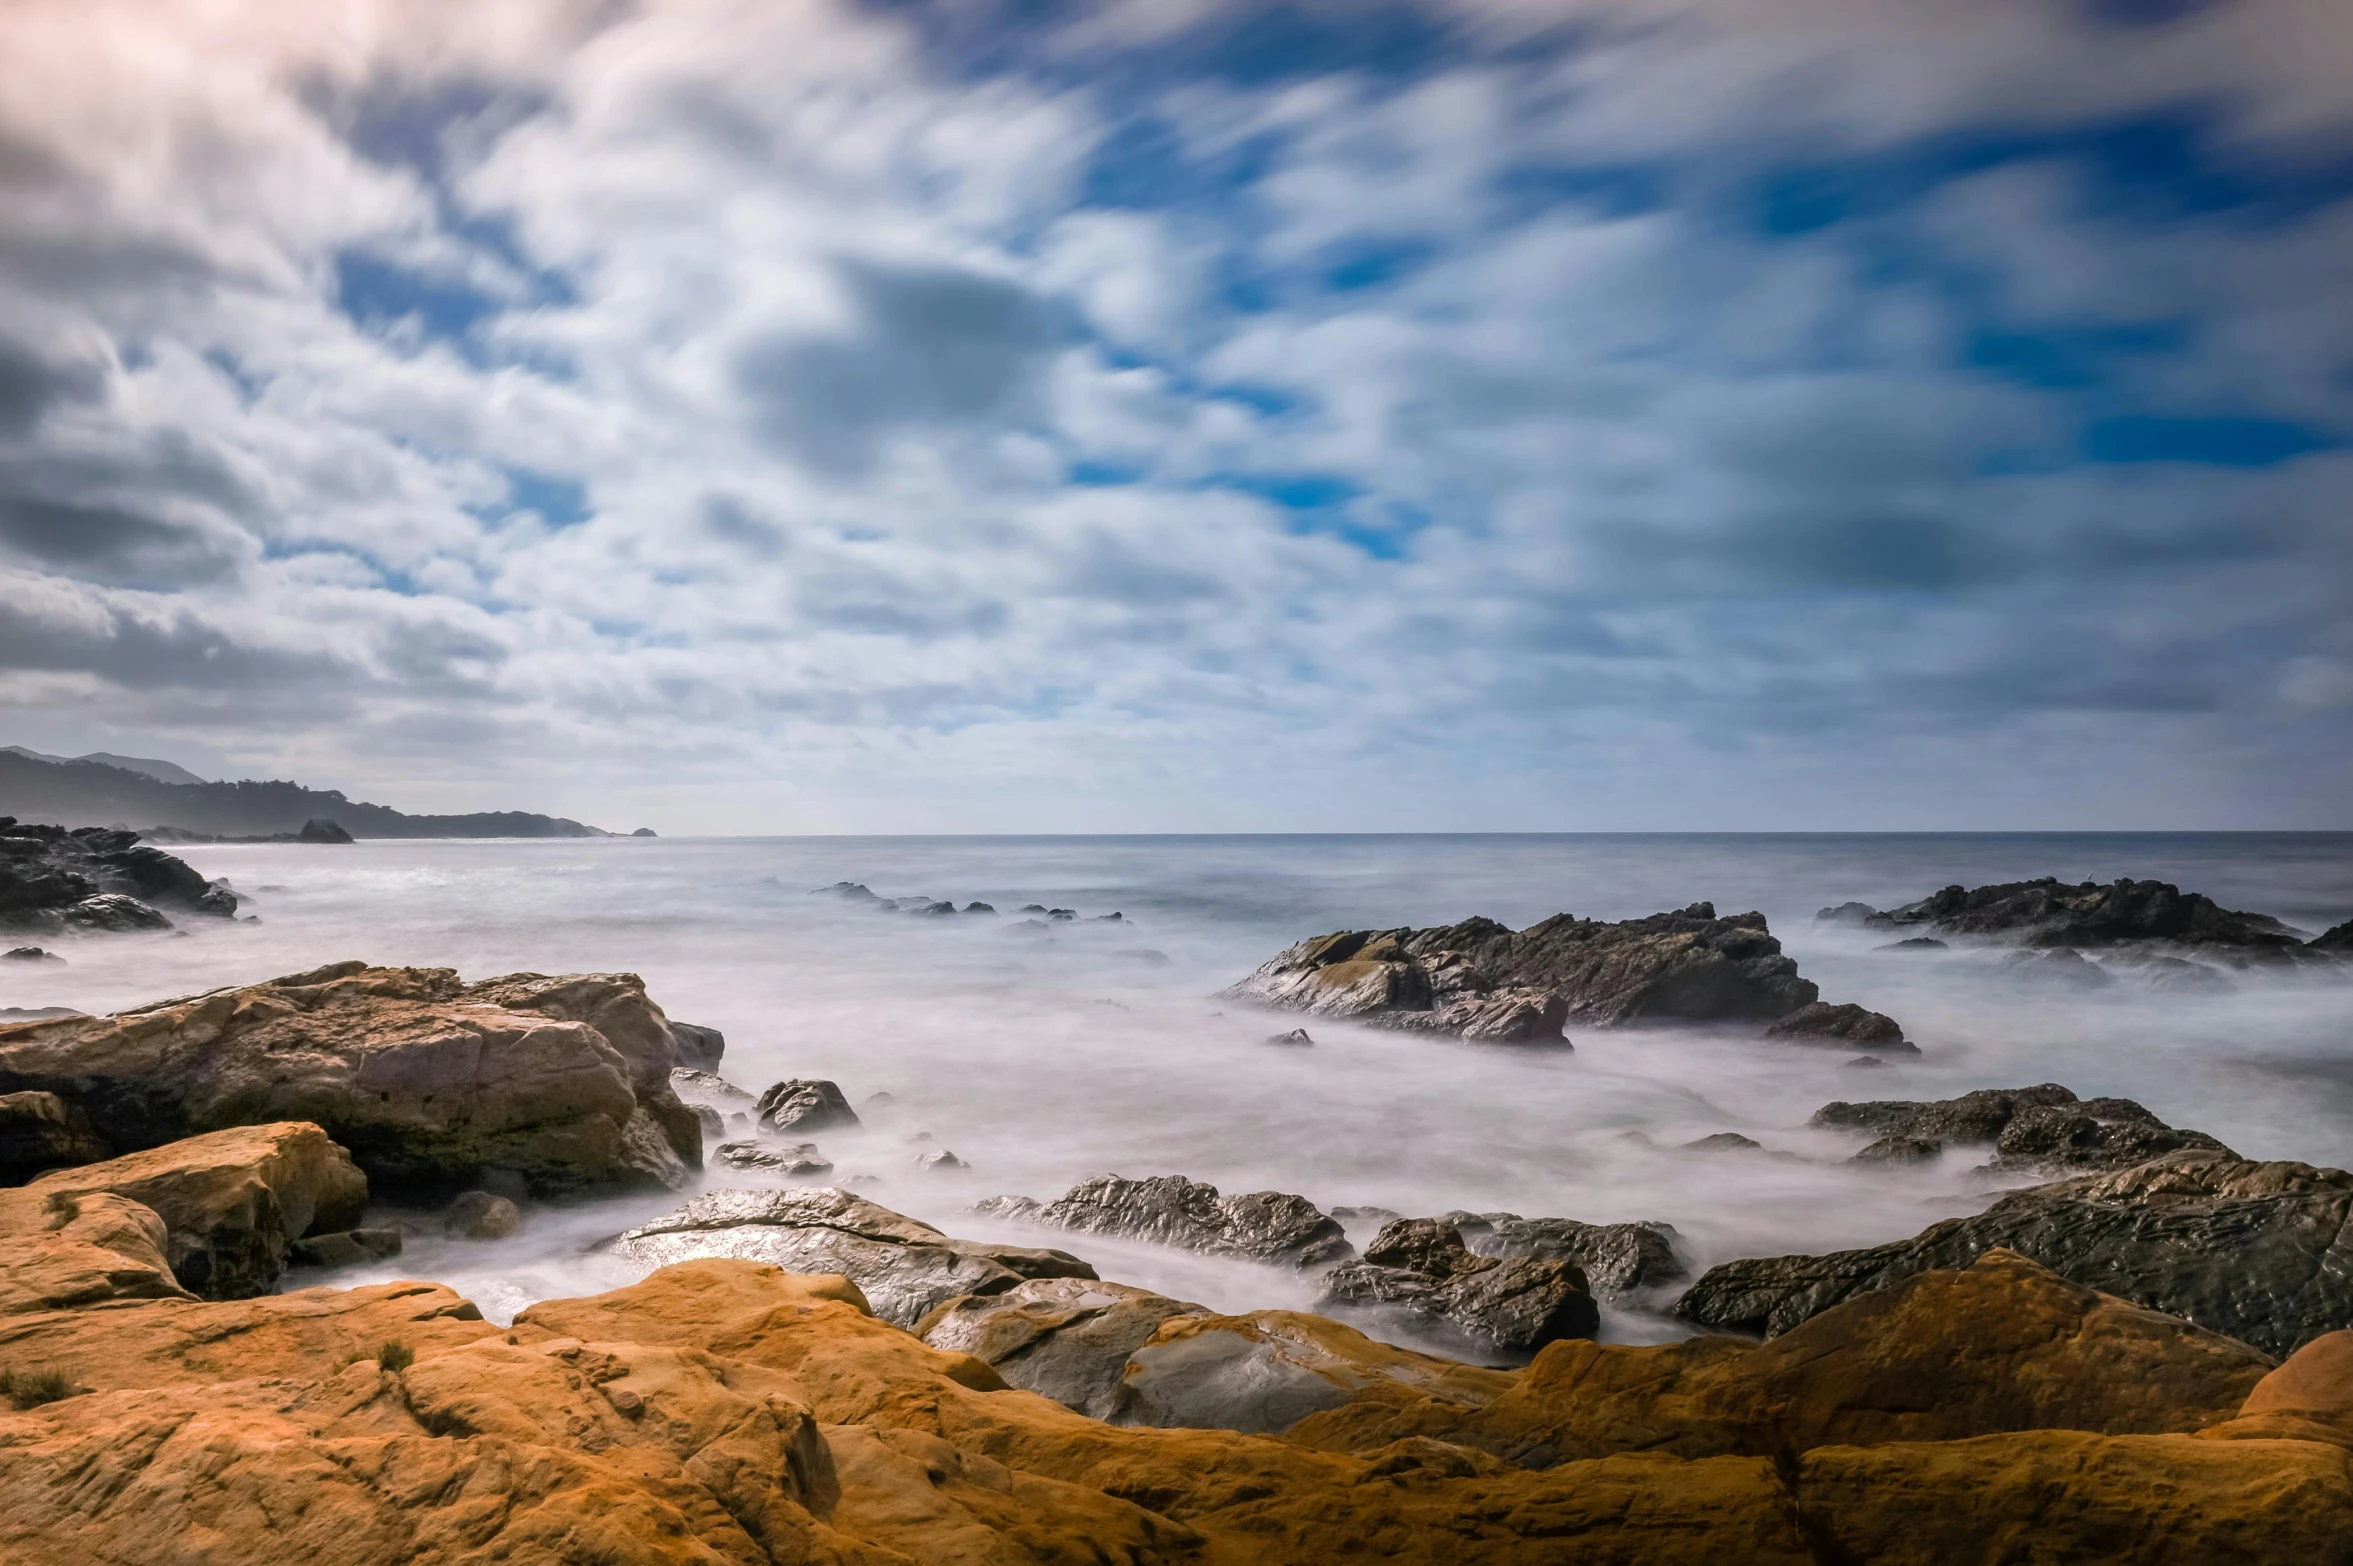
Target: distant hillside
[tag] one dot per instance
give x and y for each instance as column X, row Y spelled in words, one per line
column 161, row 771
column 92, row 793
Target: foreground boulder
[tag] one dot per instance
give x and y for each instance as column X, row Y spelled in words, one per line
column 904, row 1268
column 227, row 1205
column 2261, row 1252
column 2048, row 912
column 2003, row 1344
column 1482, row 980
column 805, row 1106
column 96, row 878
column 432, row 1084
column 1418, row 1271
column 1261, row 1226
column 2044, row 1128
column 1064, row 1338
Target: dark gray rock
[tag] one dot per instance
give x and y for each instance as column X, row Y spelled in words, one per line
column 801, row 1161
column 1848, row 913
column 1064, row 1338
column 696, row 1048
column 480, row 1215
column 1916, row 943
column 2336, row 941
column 30, row 954
column 979, row 908
column 2048, row 912
column 1481, row 980
column 1419, row 1270
column 115, row 913
column 2262, row 1252
column 1260, row 1226
column 40, row 1132
column 2044, row 1128
column 940, row 1161
column 803, row 1105
column 848, row 891
column 905, row 1268
column 1724, row 1142
column 1297, row 1037
column 1848, row 1026
column 345, row 1248
column 1620, row 1261
column 320, row 830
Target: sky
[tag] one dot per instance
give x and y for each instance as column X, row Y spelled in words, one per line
column 1190, row 415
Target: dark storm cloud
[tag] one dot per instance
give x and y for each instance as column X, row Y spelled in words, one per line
column 174, row 651
column 32, row 383
column 931, row 349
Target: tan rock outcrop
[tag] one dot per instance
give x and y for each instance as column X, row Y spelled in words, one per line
column 2004, row 1345
column 428, row 1082
column 723, row 1411
column 231, row 1201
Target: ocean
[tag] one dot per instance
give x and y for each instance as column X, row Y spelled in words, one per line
column 1042, row 1058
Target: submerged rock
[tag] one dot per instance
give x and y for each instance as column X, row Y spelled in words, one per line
column 803, row 1105
column 31, row 954
column 2041, row 1129
column 319, row 830
column 1849, row 1025
column 1481, row 980
column 800, row 1161
column 2262, row 1252
column 1064, row 1338
column 902, row 1266
column 1260, row 1226
column 431, row 1083
column 479, row 1215
column 345, row 1248
column 1420, row 1270
column 2062, row 967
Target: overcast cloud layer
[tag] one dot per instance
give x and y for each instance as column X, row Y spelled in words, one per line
column 1190, row 415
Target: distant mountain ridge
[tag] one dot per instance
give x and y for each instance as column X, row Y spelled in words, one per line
column 102, row 790
column 161, row 771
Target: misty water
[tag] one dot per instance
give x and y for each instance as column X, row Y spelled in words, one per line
column 1044, row 1058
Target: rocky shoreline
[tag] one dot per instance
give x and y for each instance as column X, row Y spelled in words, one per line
column 2144, row 1343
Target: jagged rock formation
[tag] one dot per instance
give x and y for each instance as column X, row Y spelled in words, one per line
column 1849, row 1026
column 433, row 1084
column 905, row 1268
column 52, row 880
column 2039, row 1129
column 2048, row 912
column 801, row 1105
column 1261, row 1226
column 1482, row 981
column 2262, row 1252
column 1418, row 1269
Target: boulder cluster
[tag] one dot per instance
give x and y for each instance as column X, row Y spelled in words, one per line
column 1486, row 982
column 96, row 878
column 2144, row 1358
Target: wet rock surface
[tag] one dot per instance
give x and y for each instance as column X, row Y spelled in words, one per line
column 2035, row 1129
column 803, row 1105
column 1481, row 980
column 432, row 1084
column 1418, row 1269
column 96, row 878
column 1262, row 1226
column 1064, row 1338
column 2261, row 1252
column 904, row 1267
column 797, row 1161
